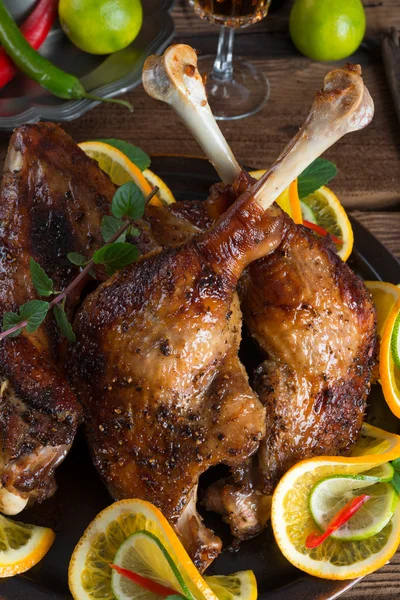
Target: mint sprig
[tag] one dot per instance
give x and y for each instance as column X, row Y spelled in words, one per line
column 127, row 202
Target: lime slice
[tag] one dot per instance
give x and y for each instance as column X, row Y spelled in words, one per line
column 395, row 342
column 383, row 473
column 144, row 554
column 239, row 586
column 308, row 214
column 330, row 495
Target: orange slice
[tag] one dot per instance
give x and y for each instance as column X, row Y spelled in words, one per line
column 292, row 520
column 89, row 572
column 117, row 166
column 386, row 297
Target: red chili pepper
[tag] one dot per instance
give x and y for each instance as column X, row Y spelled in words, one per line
column 35, row 30
column 316, row 537
column 144, row 582
column 321, row 231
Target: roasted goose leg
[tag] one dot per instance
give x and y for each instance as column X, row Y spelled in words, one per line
column 310, row 315
column 156, row 354
column 51, row 202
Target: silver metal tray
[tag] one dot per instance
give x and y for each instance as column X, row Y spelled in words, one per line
column 24, row 101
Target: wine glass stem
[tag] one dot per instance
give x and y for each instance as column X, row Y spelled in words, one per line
column 223, row 67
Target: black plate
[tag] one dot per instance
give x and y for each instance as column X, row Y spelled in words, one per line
column 81, row 495
column 24, row 101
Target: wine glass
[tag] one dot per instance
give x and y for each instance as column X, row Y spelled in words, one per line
column 235, row 88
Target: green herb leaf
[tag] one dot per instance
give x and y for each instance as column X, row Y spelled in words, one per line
column 34, row 312
column 320, row 172
column 396, row 464
column 42, row 282
column 128, row 201
column 63, row 323
column 116, row 256
column 9, row 320
column 175, row 597
column 396, row 481
column 136, row 155
column 110, row 226
column 77, row 259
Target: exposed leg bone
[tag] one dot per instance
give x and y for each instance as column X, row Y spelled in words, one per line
column 173, row 78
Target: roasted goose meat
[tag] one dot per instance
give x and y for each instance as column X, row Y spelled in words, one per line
column 310, row 315
column 52, row 200
column 156, row 359
column 156, row 364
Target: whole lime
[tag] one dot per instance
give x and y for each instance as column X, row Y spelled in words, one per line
column 101, row 26
column 327, row 29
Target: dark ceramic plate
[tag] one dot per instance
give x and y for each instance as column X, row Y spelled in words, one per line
column 24, row 101
column 81, row 495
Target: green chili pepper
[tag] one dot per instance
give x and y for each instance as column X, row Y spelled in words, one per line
column 58, row 82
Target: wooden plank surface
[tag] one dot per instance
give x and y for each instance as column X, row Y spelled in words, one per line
column 368, row 161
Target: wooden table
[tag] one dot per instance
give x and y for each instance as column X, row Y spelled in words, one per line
column 368, row 161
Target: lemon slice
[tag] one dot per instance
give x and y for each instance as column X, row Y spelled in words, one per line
column 22, row 546
column 292, row 521
column 288, row 200
column 165, row 194
column 331, row 494
column 240, row 586
column 144, row 554
column 117, row 166
column 386, row 297
column 328, row 213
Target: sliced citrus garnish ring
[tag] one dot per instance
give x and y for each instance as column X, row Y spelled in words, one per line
column 22, row 546
column 386, row 297
column 239, row 586
column 89, row 573
column 329, row 214
column 330, row 495
column 292, row 521
column 165, row 194
column 117, row 166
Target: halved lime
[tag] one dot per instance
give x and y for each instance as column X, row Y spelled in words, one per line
column 330, row 495
column 382, row 473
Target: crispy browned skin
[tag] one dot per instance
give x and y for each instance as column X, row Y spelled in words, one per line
column 158, row 372
column 52, row 200
column 314, row 320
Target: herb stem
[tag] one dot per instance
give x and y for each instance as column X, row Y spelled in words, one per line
column 62, row 295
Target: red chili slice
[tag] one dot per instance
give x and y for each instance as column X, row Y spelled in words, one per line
column 316, row 538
